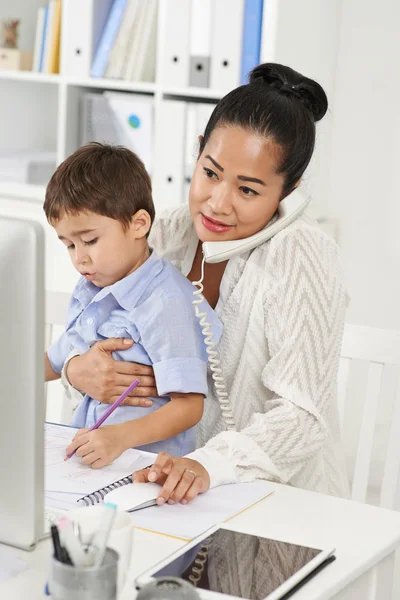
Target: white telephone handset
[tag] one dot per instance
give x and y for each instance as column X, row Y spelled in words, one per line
column 289, row 209
column 213, row 252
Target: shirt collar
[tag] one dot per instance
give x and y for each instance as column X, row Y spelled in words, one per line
column 128, row 291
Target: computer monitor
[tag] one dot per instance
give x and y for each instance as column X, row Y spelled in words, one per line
column 22, row 403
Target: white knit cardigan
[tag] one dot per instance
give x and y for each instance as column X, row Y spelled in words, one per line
column 283, row 314
column 282, row 311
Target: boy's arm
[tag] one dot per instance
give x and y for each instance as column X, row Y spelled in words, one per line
column 49, row 374
column 181, row 413
column 101, row 446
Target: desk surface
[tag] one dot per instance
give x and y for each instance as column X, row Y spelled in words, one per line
column 362, row 535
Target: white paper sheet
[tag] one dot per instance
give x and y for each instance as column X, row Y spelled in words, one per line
column 72, row 476
column 215, row 506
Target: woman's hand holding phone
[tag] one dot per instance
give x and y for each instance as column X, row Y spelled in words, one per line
column 182, row 479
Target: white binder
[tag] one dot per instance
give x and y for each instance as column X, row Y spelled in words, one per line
column 226, row 44
column 204, row 111
column 191, row 148
column 169, row 154
column 82, row 24
column 133, row 116
column 200, row 43
column 145, row 56
column 174, row 65
column 40, row 20
column 120, row 51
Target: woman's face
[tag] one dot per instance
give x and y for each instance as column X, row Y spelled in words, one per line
column 235, row 187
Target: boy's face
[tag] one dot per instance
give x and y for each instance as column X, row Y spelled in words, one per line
column 100, row 248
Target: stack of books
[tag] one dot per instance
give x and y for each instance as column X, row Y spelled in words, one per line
column 46, row 55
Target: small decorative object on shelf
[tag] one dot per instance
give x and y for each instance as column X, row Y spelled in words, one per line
column 10, row 33
column 11, row 58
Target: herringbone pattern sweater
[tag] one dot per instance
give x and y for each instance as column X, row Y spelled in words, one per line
column 283, row 312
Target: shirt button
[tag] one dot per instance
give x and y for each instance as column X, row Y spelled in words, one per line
column 90, row 321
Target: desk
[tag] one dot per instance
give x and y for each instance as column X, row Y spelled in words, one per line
column 365, row 539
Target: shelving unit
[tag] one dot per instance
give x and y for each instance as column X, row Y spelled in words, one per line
column 41, row 112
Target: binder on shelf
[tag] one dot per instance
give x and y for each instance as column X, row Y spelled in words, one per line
column 142, row 58
column 119, row 53
column 169, row 154
column 82, row 26
column 133, row 118
column 54, row 51
column 107, row 38
column 48, row 33
column 200, row 43
column 136, row 37
column 174, row 67
column 252, row 26
column 39, row 35
column 203, row 113
column 44, row 37
column 226, row 44
column 191, row 149
column 97, row 123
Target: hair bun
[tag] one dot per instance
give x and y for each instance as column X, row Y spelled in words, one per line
column 291, row 83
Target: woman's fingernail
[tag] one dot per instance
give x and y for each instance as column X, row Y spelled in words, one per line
column 152, row 476
column 127, row 342
column 148, row 402
column 183, row 501
column 171, row 501
column 160, row 500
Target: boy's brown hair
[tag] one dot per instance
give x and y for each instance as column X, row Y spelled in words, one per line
column 107, row 180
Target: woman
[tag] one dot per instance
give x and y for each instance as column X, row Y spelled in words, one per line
column 282, row 304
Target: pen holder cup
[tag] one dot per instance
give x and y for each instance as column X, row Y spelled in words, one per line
column 84, row 583
column 88, row 518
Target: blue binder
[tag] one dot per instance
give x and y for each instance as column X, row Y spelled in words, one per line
column 44, row 33
column 252, row 25
column 108, row 38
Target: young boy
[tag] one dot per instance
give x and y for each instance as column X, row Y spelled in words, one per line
column 99, row 202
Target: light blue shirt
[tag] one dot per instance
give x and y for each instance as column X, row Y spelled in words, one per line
column 154, row 307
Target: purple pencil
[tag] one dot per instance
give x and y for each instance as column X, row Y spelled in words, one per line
column 111, row 409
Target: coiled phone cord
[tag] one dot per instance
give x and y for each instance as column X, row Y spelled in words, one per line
column 213, row 359
column 222, row 396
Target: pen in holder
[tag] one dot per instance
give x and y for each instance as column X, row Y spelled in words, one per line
column 84, row 583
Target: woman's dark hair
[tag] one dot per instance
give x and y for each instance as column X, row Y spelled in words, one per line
column 281, row 105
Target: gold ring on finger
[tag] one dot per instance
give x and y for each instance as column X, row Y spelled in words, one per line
column 192, row 472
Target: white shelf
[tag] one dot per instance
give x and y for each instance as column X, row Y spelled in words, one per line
column 22, row 191
column 116, row 84
column 194, row 92
column 29, row 76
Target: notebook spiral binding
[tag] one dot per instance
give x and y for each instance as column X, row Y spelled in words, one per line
column 98, row 495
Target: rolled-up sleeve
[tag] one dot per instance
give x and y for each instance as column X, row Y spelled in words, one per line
column 174, row 342
column 59, row 351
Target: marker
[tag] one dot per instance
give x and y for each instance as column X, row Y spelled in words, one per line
column 110, row 411
column 72, row 543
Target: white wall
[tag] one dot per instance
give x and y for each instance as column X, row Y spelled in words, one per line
column 365, row 189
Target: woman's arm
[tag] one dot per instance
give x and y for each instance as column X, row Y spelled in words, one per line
column 99, row 375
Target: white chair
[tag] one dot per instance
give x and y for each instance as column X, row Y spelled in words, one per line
column 58, row 409
column 369, row 407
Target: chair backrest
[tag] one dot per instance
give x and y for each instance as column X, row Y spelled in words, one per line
column 57, row 409
column 369, row 407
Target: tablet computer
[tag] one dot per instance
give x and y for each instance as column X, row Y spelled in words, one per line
column 250, row 567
